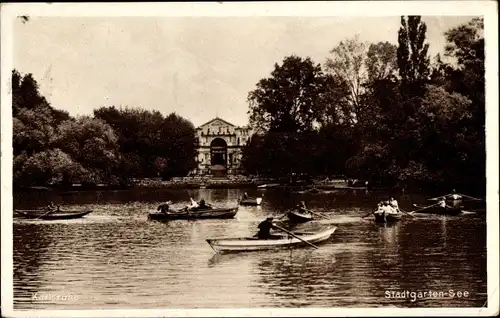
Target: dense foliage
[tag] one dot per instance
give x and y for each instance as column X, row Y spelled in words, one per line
column 375, row 111
column 52, row 148
column 380, row 112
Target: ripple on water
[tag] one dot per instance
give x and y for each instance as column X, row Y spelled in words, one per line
column 115, row 257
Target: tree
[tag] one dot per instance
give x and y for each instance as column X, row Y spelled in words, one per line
column 92, row 143
column 292, row 99
column 334, row 145
column 465, row 45
column 151, row 144
column 444, row 142
column 412, row 58
column 291, row 107
column 139, row 137
column 346, row 64
column 381, row 61
column 33, row 130
column 34, row 120
column 181, row 144
column 252, row 153
column 50, row 167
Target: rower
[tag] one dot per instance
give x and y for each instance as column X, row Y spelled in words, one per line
column 302, row 207
column 265, row 228
column 51, row 207
column 245, row 196
column 455, row 196
column 164, row 207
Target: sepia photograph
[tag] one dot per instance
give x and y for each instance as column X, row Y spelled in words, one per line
column 250, row 159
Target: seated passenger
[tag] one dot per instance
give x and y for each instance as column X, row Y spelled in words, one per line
column 442, row 202
column 394, row 204
column 203, row 205
column 191, row 206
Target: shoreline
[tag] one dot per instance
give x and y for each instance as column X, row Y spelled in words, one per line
column 206, row 183
column 189, row 185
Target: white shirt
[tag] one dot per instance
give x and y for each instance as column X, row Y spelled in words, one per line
column 442, row 203
column 394, row 204
column 387, row 209
column 193, row 204
column 456, row 196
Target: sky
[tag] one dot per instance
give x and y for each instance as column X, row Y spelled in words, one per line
column 197, row 67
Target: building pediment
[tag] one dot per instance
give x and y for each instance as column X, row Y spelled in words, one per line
column 217, row 122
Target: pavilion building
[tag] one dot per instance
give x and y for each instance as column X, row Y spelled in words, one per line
column 220, row 148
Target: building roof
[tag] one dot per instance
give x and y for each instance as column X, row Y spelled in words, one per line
column 217, row 119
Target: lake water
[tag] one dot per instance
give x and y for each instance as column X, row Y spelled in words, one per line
column 115, row 258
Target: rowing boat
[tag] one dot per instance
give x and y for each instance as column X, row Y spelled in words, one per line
column 299, row 217
column 56, row 215
column 246, row 244
column 389, row 217
column 312, row 191
column 251, row 201
column 217, row 213
column 268, row 186
column 453, row 203
column 434, row 209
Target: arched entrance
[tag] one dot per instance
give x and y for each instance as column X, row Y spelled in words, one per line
column 218, row 156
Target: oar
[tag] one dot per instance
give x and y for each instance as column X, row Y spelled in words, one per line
column 316, row 213
column 413, row 216
column 424, row 208
column 368, row 214
column 468, row 196
column 286, row 213
column 297, row 237
column 440, row 196
column 50, row 211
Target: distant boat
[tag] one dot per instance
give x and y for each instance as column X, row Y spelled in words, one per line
column 246, row 244
column 217, row 213
column 39, row 188
column 433, row 209
column 268, row 185
column 51, row 215
column 251, row 201
column 299, row 217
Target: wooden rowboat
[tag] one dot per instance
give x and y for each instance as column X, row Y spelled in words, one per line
column 56, row 215
column 218, row 213
column 438, row 210
column 389, row 217
column 246, row 244
column 268, row 186
column 299, row 217
column 251, row 201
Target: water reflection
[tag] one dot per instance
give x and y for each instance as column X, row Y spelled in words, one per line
column 115, row 257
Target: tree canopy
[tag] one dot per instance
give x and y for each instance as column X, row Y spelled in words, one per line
column 294, row 98
column 390, row 116
column 53, row 148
